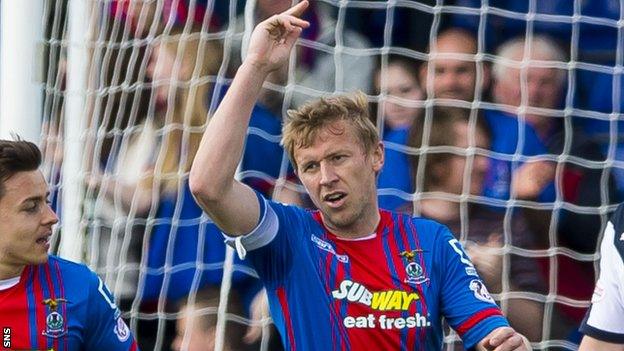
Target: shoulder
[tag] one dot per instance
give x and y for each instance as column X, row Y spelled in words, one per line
column 428, row 230
column 70, row 267
column 75, row 274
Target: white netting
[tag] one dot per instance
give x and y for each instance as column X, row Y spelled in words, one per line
column 151, row 66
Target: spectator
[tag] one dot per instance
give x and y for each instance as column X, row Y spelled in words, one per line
column 545, row 87
column 544, row 84
column 596, row 41
column 461, row 171
column 149, row 162
column 178, row 65
column 171, row 69
column 455, row 75
column 196, row 327
column 399, row 91
column 451, row 71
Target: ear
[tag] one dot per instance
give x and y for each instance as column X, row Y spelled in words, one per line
column 378, row 157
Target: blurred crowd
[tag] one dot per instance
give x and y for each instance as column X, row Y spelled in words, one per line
column 500, row 125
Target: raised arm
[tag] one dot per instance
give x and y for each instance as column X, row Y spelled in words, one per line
column 230, row 204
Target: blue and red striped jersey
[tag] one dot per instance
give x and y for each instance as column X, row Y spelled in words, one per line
column 387, row 291
column 61, row 306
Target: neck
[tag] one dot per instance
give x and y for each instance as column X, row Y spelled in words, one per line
column 439, row 209
column 365, row 224
column 8, row 271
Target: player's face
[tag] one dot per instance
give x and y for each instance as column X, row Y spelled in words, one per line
column 399, row 84
column 26, row 221
column 454, row 179
column 340, row 178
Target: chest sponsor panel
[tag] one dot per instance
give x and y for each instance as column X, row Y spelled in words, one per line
column 387, row 309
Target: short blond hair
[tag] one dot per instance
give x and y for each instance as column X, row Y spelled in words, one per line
column 303, row 124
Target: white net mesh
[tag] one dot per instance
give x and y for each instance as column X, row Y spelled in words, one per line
column 157, row 69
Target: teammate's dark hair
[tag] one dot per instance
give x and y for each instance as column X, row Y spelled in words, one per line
column 17, row 156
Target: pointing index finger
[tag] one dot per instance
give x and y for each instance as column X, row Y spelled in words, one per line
column 298, row 9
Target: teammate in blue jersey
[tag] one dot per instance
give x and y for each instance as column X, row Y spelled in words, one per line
column 349, row 276
column 46, row 303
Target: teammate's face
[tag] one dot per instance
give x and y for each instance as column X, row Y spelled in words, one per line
column 26, row 221
column 340, row 177
column 401, row 87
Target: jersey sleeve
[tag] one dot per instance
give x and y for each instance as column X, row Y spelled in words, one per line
column 465, row 301
column 605, row 318
column 272, row 245
column 106, row 330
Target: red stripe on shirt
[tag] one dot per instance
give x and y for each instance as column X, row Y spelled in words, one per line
column 340, row 276
column 134, row 346
column 281, row 295
column 464, row 327
column 336, row 304
column 411, row 333
column 40, row 308
column 62, row 291
column 335, row 308
column 397, row 261
column 14, row 312
column 48, row 275
column 421, row 259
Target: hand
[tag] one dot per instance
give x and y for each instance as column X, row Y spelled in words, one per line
column 531, row 178
column 488, row 260
column 259, row 312
column 273, row 39
column 504, row 339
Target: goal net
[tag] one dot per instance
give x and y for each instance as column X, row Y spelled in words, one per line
column 129, row 86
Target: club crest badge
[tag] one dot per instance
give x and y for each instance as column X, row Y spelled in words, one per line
column 480, row 291
column 121, row 330
column 414, row 271
column 55, row 322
